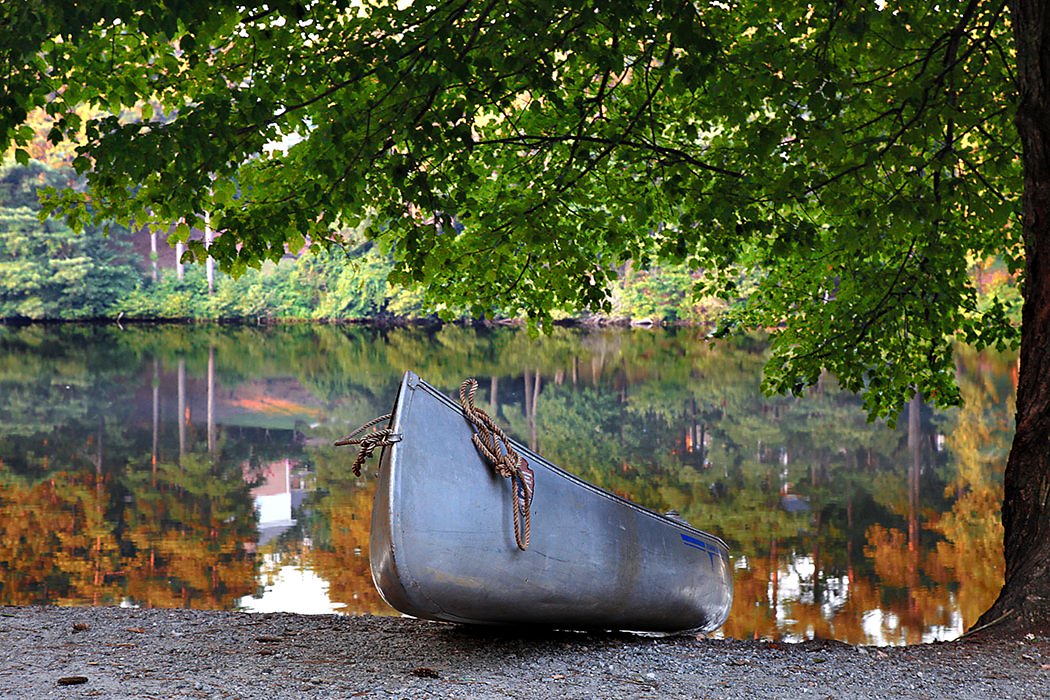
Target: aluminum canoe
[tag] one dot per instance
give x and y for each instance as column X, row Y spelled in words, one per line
column 442, row 543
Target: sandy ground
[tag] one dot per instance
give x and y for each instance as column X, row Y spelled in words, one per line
column 124, row 653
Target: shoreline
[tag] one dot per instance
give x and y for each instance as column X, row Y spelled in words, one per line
column 589, row 321
column 109, row 652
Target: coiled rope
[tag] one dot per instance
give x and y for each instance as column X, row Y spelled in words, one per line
column 492, row 442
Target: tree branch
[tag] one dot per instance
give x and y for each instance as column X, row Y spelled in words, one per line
column 666, row 151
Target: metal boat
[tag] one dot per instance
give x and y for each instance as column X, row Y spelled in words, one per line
column 443, row 543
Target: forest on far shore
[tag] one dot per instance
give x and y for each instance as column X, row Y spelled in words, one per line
column 48, row 272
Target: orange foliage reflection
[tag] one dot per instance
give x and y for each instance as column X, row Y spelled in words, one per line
column 170, row 547
column 344, row 562
column 930, row 580
column 55, row 543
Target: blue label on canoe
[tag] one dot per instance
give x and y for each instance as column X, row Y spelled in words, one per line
column 712, row 550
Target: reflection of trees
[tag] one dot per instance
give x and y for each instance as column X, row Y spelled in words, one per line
column 340, row 556
column 57, row 398
column 100, row 531
column 179, row 541
column 186, row 528
column 971, row 553
column 336, row 517
column 56, row 545
column 61, row 431
column 815, row 502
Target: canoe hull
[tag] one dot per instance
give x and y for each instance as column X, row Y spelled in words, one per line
column 442, row 540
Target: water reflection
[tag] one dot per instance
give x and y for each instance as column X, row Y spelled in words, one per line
column 192, row 466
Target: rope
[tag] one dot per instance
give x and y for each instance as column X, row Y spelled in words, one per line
column 383, row 437
column 492, row 442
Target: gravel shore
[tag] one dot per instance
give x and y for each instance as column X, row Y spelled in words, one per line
column 125, row 653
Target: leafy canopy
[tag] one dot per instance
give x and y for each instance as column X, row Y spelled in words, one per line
column 848, row 160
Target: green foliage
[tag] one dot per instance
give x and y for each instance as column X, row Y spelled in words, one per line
column 663, row 294
column 512, row 157
column 169, row 298
column 329, row 284
column 20, row 185
column 326, row 286
column 46, row 270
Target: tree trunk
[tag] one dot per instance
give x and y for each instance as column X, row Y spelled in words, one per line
column 209, row 265
column 154, row 274
column 1024, row 602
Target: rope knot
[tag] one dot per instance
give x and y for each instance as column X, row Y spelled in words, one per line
column 508, row 466
column 494, row 445
column 382, row 437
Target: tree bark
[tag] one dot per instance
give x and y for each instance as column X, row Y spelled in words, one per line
column 209, row 264
column 179, row 250
column 154, row 274
column 1024, row 602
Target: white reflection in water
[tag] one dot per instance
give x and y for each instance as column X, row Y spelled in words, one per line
column 292, row 589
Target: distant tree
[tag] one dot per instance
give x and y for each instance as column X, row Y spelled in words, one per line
column 47, row 270
column 20, row 185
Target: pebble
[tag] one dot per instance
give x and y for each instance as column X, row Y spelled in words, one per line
column 72, row 680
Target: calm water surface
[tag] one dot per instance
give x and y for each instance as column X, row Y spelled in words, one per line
column 179, row 466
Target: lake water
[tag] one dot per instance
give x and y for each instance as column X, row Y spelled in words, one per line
column 190, row 466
